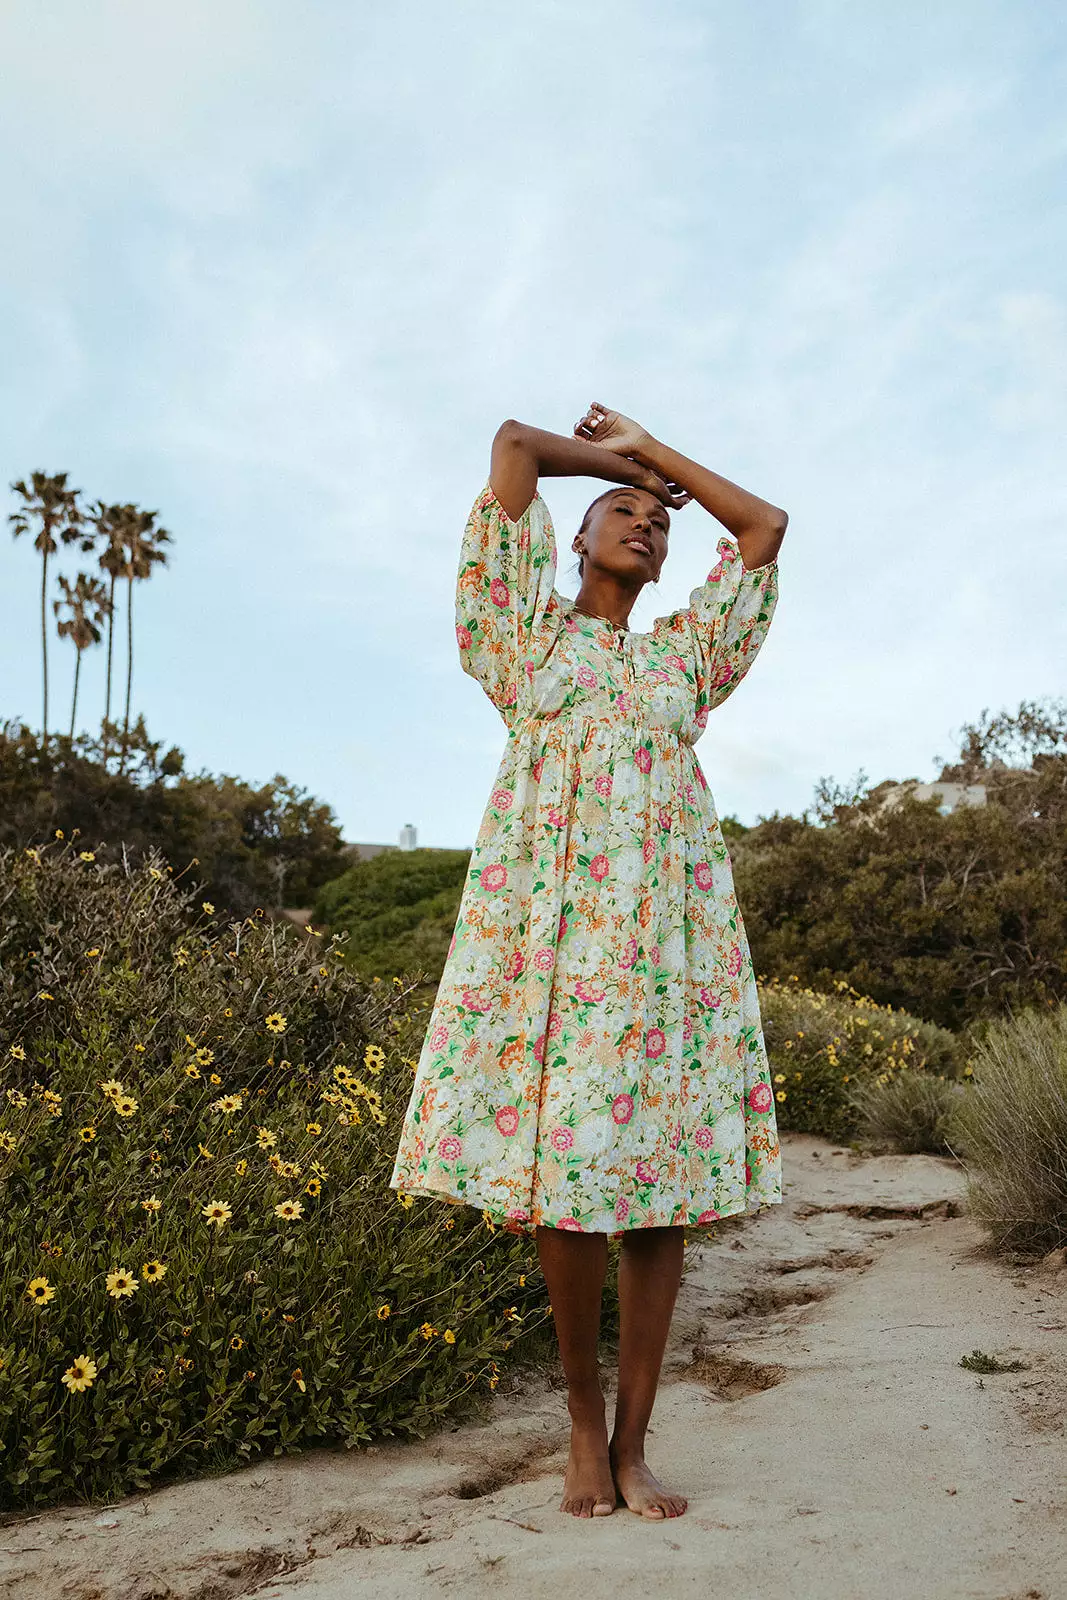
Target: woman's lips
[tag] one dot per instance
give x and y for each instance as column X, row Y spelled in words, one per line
column 638, row 544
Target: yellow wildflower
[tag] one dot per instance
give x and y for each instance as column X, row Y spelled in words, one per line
column 191, row 1071
column 204, row 1056
column 112, row 1088
column 93, row 952
column 289, row 1210
column 125, row 1105
column 265, row 1139
column 40, row 1291
column 7, row 1140
column 428, row 1330
column 237, row 1343
column 207, row 906
column 384, row 1311
column 448, row 1336
column 217, row 1213
column 276, row 1022
column 298, row 1379
column 121, row 1284
column 152, row 1204
column 780, row 1095
column 313, row 1128
column 312, row 1186
column 241, row 1168
column 87, row 1133
column 17, row 1052
column 152, row 1271
column 80, row 1374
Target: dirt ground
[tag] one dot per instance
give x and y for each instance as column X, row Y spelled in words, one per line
column 813, row 1410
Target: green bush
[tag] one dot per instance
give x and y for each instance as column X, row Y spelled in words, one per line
column 913, row 1112
column 398, row 910
column 160, row 1071
column 1012, row 1129
column 823, row 1047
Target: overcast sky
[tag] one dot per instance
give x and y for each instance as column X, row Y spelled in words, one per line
column 279, row 272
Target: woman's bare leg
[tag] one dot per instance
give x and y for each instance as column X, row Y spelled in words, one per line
column 650, row 1270
column 574, row 1265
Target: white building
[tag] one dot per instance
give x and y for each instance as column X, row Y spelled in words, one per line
column 950, row 796
column 407, row 836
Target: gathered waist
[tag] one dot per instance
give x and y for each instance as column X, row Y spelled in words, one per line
column 577, row 726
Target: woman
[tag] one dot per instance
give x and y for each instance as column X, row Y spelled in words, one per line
column 594, row 1063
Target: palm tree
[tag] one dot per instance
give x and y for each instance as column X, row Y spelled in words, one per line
column 111, row 523
column 88, row 604
column 56, row 510
column 141, row 539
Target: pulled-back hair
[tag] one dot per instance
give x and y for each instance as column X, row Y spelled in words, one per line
column 615, row 489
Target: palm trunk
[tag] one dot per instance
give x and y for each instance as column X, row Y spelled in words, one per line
column 74, row 702
column 129, row 671
column 110, row 641
column 44, row 645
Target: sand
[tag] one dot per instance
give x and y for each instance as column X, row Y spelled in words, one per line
column 812, row 1409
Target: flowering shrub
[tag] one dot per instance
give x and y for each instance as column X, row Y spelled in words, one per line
column 200, row 1257
column 824, row 1048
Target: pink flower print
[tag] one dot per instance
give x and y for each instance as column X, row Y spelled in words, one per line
column 474, row 1001
column 499, row 593
column 701, row 717
column 439, row 1037
column 690, row 794
column 654, row 954
column 622, row 1108
column 570, row 1225
column 687, row 1029
column 643, row 758
column 702, row 875
column 587, row 677
column 629, row 954
column 528, row 667
column 603, row 784
column 647, row 1173
column 561, row 1139
column 599, row 867
column 451, row 944
column 622, row 1208
column 709, row 997
column 512, row 698
column 537, row 769
column 675, row 661
column 544, row 959
column 463, row 637
column 708, row 1216
column 723, row 676
column 664, row 817
column 655, row 1042
column 704, row 1138
column 563, row 926
column 715, row 575
column 622, row 701
column 556, row 817
column 516, row 966
column 502, row 799
column 589, row 990
column 703, row 782
column 555, row 1025
column 494, row 877
column 507, row 1120
column 449, row 1148
column 648, row 850
column 539, row 1048
column 748, row 1175
column 517, row 1214
column 733, row 966
column 657, row 675
column 760, row 1097
column 676, row 1136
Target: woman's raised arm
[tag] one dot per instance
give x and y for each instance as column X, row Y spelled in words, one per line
column 522, row 454
column 757, row 526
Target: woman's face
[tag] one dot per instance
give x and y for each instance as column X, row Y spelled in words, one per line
column 627, row 535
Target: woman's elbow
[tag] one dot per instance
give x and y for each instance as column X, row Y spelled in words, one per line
column 509, row 432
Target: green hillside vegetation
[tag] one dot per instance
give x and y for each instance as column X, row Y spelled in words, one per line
column 398, row 910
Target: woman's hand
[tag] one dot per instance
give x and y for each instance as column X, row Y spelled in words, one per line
column 624, row 437
column 611, row 429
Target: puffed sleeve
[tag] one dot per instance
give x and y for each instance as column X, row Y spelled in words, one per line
column 721, row 630
column 504, row 596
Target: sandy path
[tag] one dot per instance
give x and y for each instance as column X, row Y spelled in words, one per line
column 813, row 1410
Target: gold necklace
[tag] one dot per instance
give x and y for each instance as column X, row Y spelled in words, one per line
column 623, row 626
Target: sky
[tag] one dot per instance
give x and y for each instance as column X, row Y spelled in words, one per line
column 280, row 272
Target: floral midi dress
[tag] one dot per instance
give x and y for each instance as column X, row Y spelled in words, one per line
column 595, row 1058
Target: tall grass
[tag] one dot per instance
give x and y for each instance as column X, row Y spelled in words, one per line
column 1012, row 1128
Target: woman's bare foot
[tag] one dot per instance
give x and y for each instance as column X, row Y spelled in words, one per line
column 642, row 1490
column 588, row 1486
